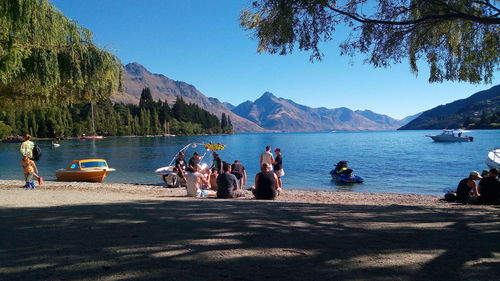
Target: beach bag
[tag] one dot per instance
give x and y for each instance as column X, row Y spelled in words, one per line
column 37, row 153
column 450, row 197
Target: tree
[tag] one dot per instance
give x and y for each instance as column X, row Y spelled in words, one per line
column 459, row 39
column 223, row 122
column 5, row 130
column 146, row 100
column 46, row 57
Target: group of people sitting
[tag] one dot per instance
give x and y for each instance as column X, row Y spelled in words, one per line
column 478, row 189
column 224, row 180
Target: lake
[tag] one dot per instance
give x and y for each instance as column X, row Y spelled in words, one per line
column 390, row 161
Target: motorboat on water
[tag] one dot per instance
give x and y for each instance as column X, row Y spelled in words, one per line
column 493, row 158
column 449, row 135
column 88, row 170
column 343, row 173
column 84, row 137
column 170, row 177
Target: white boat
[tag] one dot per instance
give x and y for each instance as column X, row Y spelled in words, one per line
column 167, row 173
column 493, row 158
column 451, row 136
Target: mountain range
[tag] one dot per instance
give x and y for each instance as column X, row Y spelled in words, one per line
column 279, row 114
column 459, row 113
column 136, row 77
column 268, row 113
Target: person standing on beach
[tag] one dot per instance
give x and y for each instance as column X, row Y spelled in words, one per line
column 30, row 169
column 26, row 149
column 267, row 157
column 195, row 160
column 239, row 171
column 27, row 146
column 217, row 163
column 180, row 164
column 278, row 167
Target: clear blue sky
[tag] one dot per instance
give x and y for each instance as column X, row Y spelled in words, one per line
column 200, row 42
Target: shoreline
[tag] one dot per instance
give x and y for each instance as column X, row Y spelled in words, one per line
column 131, row 191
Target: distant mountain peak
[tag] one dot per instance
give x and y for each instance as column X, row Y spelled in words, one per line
column 136, row 68
column 268, row 95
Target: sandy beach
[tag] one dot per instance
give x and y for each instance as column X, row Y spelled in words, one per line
column 84, row 231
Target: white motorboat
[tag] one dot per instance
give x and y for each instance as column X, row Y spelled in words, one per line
column 493, row 158
column 451, row 136
column 170, row 177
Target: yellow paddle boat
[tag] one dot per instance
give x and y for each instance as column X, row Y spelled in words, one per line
column 90, row 170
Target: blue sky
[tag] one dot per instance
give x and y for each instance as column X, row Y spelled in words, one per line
column 200, row 42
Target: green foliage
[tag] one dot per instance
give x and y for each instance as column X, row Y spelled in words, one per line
column 47, row 57
column 5, row 130
column 147, row 118
column 146, row 100
column 459, row 39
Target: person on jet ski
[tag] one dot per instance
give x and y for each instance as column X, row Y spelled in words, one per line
column 342, row 169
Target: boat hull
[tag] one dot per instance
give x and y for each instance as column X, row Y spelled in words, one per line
column 346, row 179
column 82, row 175
column 91, row 138
column 493, row 159
column 450, row 139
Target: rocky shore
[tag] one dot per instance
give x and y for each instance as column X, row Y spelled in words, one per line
column 86, row 231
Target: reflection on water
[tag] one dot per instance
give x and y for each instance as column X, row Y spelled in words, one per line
column 392, row 161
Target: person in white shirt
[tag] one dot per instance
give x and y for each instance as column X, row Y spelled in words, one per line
column 197, row 184
column 267, row 157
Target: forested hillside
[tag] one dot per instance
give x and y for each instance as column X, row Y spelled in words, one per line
column 148, row 118
column 479, row 111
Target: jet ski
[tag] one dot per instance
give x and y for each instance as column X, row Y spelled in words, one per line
column 342, row 173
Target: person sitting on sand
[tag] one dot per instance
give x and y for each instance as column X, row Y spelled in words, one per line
column 266, row 184
column 213, row 179
column 239, row 171
column 227, row 184
column 489, row 188
column 197, row 184
column 30, row 169
column 467, row 187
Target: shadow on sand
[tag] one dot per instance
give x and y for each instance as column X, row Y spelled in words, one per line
column 238, row 240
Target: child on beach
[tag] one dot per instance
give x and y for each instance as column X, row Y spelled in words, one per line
column 30, row 171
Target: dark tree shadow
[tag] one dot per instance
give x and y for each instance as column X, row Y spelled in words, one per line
column 242, row 240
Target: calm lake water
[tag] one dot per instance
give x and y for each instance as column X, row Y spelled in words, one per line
column 390, row 161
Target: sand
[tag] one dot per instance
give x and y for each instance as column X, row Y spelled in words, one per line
column 84, row 231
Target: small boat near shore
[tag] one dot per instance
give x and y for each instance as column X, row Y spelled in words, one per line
column 451, row 136
column 493, row 158
column 168, row 173
column 84, row 137
column 88, row 170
